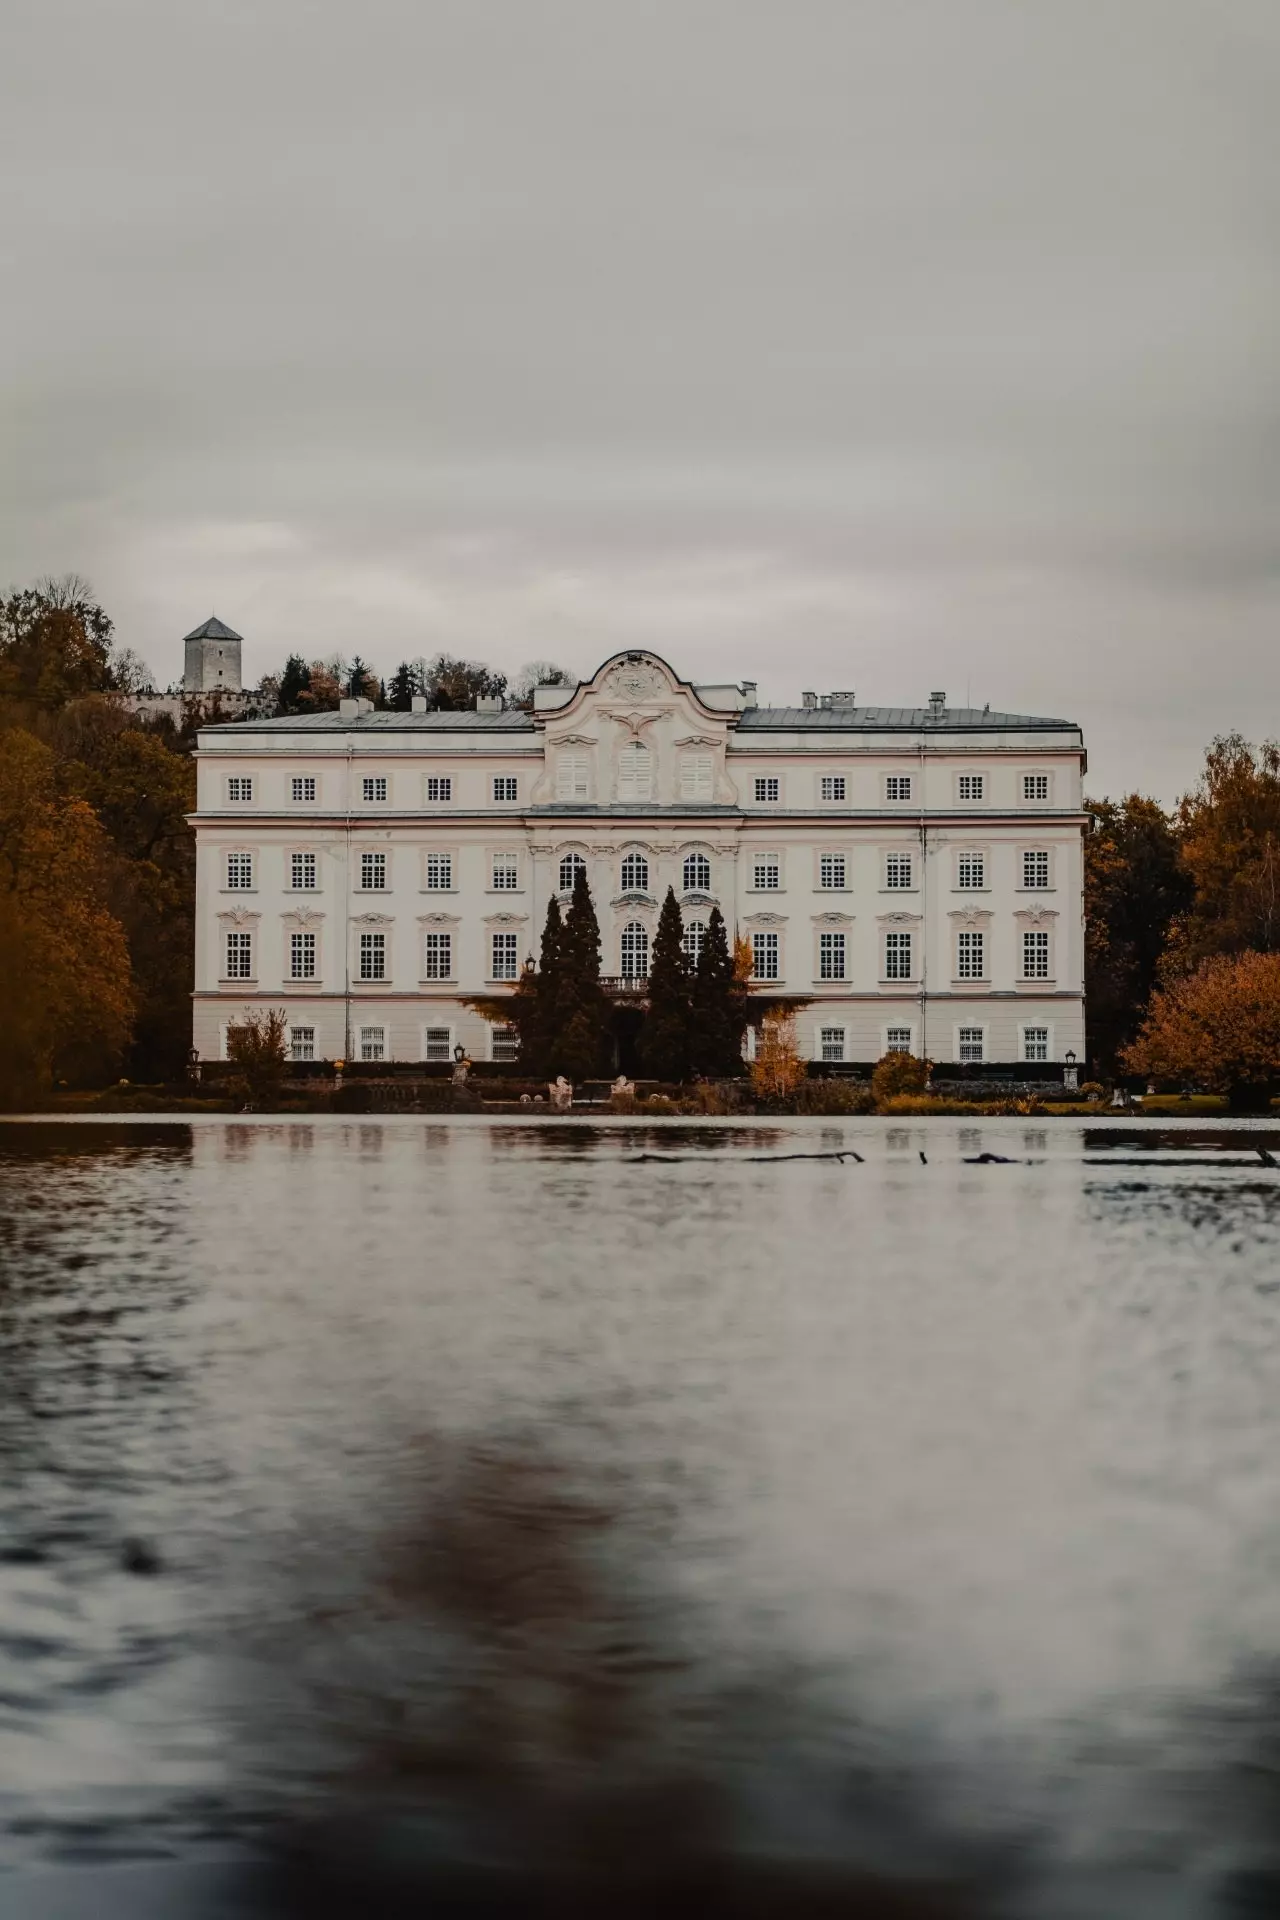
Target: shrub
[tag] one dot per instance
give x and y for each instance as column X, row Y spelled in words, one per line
column 897, row 1074
column 1219, row 1026
column 255, row 1047
column 834, row 1096
column 777, row 1069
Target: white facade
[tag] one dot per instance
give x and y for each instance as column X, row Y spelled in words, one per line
column 914, row 874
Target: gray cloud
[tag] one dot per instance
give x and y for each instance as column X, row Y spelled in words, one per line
column 923, row 342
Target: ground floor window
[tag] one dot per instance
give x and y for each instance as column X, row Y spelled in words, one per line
column 831, row 1041
column 505, row 1043
column 897, row 1040
column 302, row 1043
column 1035, row 1043
column 971, row 1047
column 437, row 1043
column 373, row 1043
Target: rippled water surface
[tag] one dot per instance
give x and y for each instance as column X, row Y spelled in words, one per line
column 526, row 1489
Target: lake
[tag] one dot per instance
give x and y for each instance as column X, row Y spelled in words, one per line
column 383, row 1500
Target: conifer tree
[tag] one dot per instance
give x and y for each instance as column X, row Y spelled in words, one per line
column 718, row 1015
column 404, row 683
column 295, row 680
column 581, row 1012
column 665, row 1036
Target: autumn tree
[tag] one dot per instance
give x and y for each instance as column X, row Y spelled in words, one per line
column 64, row 962
column 453, row 686
column 323, row 690
column 1218, row 1027
column 1230, row 836
column 294, row 683
column 665, row 1037
column 777, row 1069
column 55, row 642
column 899, row 1073
column 256, row 1046
column 1135, row 886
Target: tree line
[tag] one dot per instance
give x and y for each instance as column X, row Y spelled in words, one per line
column 447, row 684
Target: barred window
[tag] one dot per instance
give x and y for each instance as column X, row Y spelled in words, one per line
column 766, row 872
column 767, row 787
column 831, row 786
column 240, row 787
column 239, row 956
column 897, row 1040
column 831, row 1043
column 571, row 866
column 302, row 872
column 239, row 872
column 831, row 956
column 303, row 787
column 504, row 949
column 373, row 956
column 1035, row 1043
column 439, row 872
column 373, row 872
column 897, row 871
column 437, row 1043
column 374, row 786
column 697, row 873
column 635, row 874
column 897, row 786
column 971, row 871
column 764, row 956
column 897, row 956
column 970, row 956
column 505, row 786
column 1035, row 869
column 634, row 951
column 439, row 786
column 506, row 873
column 373, row 1043
column 971, row 1046
column 1035, row 955
column 504, row 1043
column 971, row 786
column 695, row 939
column 302, row 956
column 437, row 956
column 831, row 872
column 302, row 1043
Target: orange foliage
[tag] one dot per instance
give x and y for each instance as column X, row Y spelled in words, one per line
column 1219, row 1026
column 777, row 1069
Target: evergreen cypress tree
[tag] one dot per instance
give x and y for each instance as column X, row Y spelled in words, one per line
column 581, row 1011
column 294, row 680
column 536, row 1049
column 402, row 686
column 666, row 1033
column 718, row 1019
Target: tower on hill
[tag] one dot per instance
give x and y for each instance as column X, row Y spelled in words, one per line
column 212, row 659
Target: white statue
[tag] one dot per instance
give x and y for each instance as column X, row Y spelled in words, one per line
column 561, row 1094
column 622, row 1088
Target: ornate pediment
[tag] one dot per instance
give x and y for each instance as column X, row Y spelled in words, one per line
column 371, row 920
column 1037, row 916
column 970, row 916
column 302, row 917
column 635, row 899
column 575, row 740
column 505, row 919
column 239, row 916
column 898, row 919
column 635, row 680
column 439, row 919
column 698, row 740
column 764, row 920
column 698, row 900
column 633, row 720
column 833, row 919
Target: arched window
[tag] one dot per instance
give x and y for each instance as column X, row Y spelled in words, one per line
column 635, row 951
column 571, row 866
column 695, row 939
column 635, row 874
column 635, row 772
column 697, row 874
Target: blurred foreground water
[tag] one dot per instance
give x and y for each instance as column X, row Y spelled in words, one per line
column 415, row 1513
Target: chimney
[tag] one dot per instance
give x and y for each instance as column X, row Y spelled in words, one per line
column 808, row 699
column 937, row 705
column 749, row 693
column 363, row 705
column 488, row 703
column 845, row 698
column 418, row 703
column 348, row 709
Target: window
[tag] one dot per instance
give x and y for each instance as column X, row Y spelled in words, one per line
column 302, row 872
column 374, row 786
column 897, row 1039
column 897, row 956
column 971, row 871
column 504, row 1043
column 373, row 1043
column 1035, row 869
column 635, row 951
column 571, row 866
column 764, row 956
column 1035, row 786
column 239, row 872
column 1035, row 955
column 571, row 776
column 302, row 956
column 831, row 1043
column 897, row 871
column 635, row 874
column 767, row 787
column 439, row 786
column 695, row 939
column 504, row 956
column 439, row 873
column 970, row 956
column 437, row 956
column 766, row 872
column 240, row 787
column 970, row 1043
column 505, row 786
column 373, row 957
column 831, row 956
column 303, row 787
column 506, row 873
column 1035, row 1043
column 635, row 772
column 971, row 786
column 831, row 872
column 302, row 1043
column 831, row 786
column 697, row 873
column 239, row 956
column 437, row 1043
column 373, row 872
column 697, row 777
column 897, row 786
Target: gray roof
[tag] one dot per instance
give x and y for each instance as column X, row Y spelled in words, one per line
column 893, row 720
column 212, row 629
column 334, row 722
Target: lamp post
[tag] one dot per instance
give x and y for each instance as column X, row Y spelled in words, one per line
column 193, row 1063
column 1071, row 1078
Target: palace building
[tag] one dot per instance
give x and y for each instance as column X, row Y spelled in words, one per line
column 913, row 876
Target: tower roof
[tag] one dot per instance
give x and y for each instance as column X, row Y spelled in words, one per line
column 212, row 629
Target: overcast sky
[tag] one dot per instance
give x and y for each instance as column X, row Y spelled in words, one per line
column 885, row 344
